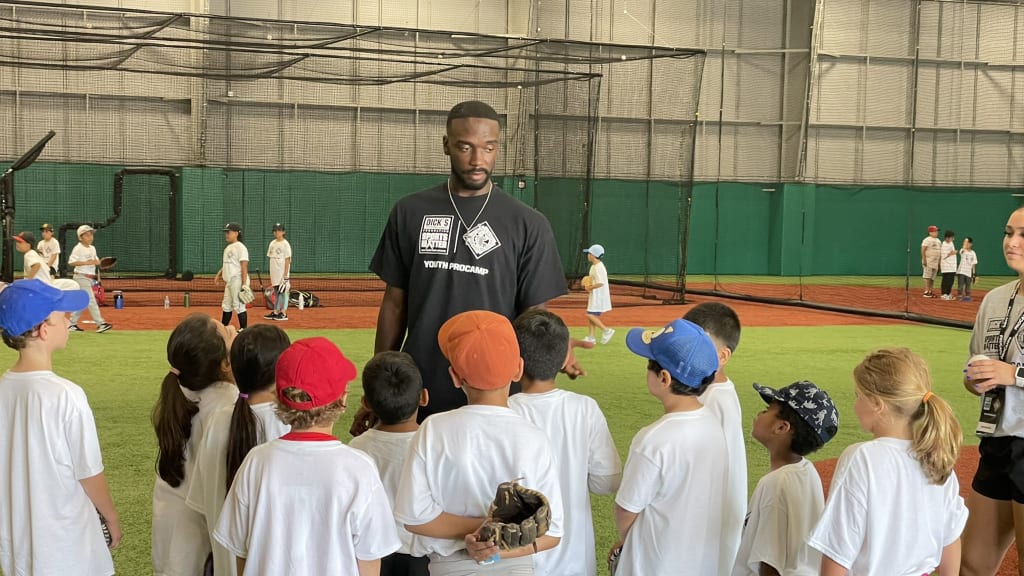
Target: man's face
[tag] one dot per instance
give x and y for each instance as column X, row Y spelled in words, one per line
column 472, row 145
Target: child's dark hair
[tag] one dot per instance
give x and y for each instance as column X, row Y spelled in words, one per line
column 254, row 356
column 392, row 384
column 677, row 387
column 543, row 343
column 805, row 440
column 969, row 239
column 949, row 234
column 719, row 321
column 196, row 352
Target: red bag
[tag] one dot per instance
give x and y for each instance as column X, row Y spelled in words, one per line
column 97, row 291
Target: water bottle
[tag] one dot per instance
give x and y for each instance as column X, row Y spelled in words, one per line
column 188, row 299
column 167, row 302
column 302, row 301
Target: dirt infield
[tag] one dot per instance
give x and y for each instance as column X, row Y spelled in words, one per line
column 966, row 465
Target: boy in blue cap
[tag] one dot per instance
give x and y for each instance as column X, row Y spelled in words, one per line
column 51, row 471
column 672, row 491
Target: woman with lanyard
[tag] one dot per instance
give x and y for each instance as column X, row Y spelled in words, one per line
column 996, row 501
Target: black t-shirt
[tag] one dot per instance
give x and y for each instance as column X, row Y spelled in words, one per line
column 508, row 263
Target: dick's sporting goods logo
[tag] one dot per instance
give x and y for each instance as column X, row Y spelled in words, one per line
column 436, row 234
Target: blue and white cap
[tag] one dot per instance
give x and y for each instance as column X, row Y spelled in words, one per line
column 683, row 348
column 811, row 403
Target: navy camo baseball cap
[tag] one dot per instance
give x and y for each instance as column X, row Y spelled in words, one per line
column 811, row 403
column 682, row 348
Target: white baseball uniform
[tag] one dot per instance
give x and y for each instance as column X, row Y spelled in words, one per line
column 84, row 276
column 234, row 254
column 722, row 401
column 48, row 248
column 43, row 273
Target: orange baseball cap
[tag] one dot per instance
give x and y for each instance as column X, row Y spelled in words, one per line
column 482, row 348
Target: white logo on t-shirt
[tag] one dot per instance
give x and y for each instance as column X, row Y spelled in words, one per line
column 435, row 234
column 481, row 240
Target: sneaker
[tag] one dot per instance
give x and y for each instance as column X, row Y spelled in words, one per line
column 271, row 316
column 929, row 295
column 281, row 317
column 606, row 336
column 75, row 328
column 590, row 339
column 103, row 327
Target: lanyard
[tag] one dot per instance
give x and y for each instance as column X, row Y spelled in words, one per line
column 1004, row 346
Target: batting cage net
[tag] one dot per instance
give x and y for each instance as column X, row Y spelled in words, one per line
column 203, row 120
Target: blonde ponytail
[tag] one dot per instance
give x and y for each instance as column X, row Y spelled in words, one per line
column 900, row 379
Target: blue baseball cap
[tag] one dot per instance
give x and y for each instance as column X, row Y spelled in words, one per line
column 24, row 304
column 597, row 250
column 812, row 404
column 682, row 348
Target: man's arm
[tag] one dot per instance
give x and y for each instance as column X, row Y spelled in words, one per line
column 392, row 321
column 923, row 250
column 572, row 368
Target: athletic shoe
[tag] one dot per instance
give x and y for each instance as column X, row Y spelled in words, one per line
column 967, row 299
column 271, row 316
column 590, row 339
column 929, row 295
column 103, row 327
column 606, row 336
column 281, row 317
column 75, row 328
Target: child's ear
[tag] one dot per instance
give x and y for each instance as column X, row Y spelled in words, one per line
column 664, row 379
column 344, row 401
column 365, row 404
column 456, row 379
column 568, row 354
column 782, row 427
column 424, row 397
column 724, row 355
column 519, row 372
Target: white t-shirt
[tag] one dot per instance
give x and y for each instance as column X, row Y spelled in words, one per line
column 587, row 461
column 31, row 259
column 234, row 254
column 48, row 248
column 48, row 444
column 207, row 487
column 723, row 402
column 457, row 460
column 181, row 540
column 932, row 250
column 785, row 507
column 882, row 514
column 388, row 450
column 948, row 261
column 278, row 252
column 673, row 480
column 600, row 298
column 968, row 260
column 83, row 253
column 306, row 507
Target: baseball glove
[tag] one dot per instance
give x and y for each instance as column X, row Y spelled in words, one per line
column 107, row 262
column 284, row 287
column 518, row 516
column 245, row 295
column 587, row 282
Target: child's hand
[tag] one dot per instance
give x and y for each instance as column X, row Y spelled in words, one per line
column 115, row 533
column 572, row 368
column 480, row 551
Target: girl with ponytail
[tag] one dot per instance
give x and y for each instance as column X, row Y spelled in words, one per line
column 894, row 506
column 236, row 429
column 197, row 384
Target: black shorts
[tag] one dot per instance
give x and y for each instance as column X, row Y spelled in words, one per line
column 404, row 565
column 1000, row 474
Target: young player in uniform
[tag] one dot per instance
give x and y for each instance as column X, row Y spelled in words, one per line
column 35, row 264
column 584, row 450
column 235, row 273
column 947, row 265
column 305, row 503
column 669, row 508
column 931, row 248
column 234, row 430
column 49, row 247
column 280, row 255
column 458, row 458
column 51, row 470
column 789, row 499
column 85, row 262
column 968, row 270
column 393, row 390
column 600, row 299
column 894, row 506
column 723, row 325
column 198, row 384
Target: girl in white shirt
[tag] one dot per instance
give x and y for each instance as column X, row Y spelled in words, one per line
column 895, row 507
column 197, row 384
column 947, row 265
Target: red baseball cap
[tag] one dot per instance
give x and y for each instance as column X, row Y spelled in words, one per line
column 933, row 228
column 317, row 367
column 482, row 348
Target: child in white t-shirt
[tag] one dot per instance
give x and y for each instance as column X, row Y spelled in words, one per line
column 235, row 273
column 305, row 503
column 584, row 450
column 35, row 264
column 720, row 398
column 235, row 429
column 600, row 300
column 280, row 254
column 894, row 506
column 968, row 270
column 51, row 470
column 85, row 262
column 393, row 390
column 947, row 265
column 458, row 458
column 197, row 385
column 788, row 500
column 49, row 248
column 670, row 505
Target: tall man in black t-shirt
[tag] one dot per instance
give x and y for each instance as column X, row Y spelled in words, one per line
column 461, row 245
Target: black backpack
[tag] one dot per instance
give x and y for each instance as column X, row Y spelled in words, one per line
column 309, row 299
